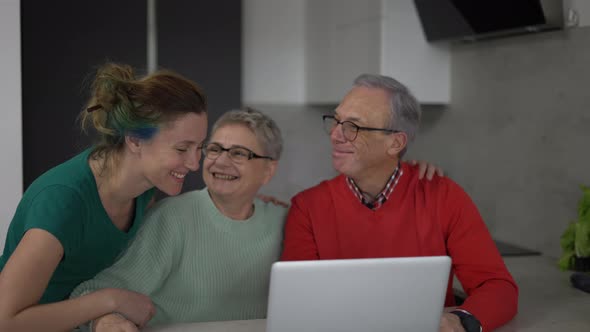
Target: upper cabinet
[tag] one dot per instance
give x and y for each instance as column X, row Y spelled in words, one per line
column 343, row 40
column 340, row 39
column 273, row 51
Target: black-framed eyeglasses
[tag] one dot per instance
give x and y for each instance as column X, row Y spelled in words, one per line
column 349, row 129
column 236, row 153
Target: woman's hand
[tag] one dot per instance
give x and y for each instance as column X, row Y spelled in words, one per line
column 135, row 307
column 113, row 323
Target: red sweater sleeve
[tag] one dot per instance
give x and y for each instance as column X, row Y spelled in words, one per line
column 492, row 294
column 299, row 242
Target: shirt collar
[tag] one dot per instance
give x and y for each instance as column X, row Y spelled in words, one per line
column 383, row 196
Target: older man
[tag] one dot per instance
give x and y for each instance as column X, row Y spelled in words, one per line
column 378, row 207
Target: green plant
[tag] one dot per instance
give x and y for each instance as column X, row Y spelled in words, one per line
column 575, row 241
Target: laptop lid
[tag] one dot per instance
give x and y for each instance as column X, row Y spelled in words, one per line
column 383, row 294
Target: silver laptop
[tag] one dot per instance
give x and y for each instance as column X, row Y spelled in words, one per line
column 383, row 294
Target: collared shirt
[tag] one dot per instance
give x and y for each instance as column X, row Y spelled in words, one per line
column 383, row 196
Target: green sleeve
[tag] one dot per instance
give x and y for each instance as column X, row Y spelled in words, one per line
column 148, row 260
column 60, row 211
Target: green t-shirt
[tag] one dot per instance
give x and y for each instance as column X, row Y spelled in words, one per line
column 64, row 201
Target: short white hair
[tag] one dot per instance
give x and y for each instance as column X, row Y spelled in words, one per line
column 264, row 128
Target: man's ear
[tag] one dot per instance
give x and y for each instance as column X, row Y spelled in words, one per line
column 399, row 141
column 271, row 169
column 133, row 143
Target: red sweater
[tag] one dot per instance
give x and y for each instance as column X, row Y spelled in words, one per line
column 420, row 218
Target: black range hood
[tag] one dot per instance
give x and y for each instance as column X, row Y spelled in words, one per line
column 472, row 20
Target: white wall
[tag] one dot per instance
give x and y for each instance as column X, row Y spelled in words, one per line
column 582, row 9
column 273, row 51
column 406, row 55
column 11, row 176
column 516, row 135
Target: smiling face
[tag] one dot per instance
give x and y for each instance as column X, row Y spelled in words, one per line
column 227, row 179
column 174, row 151
column 372, row 151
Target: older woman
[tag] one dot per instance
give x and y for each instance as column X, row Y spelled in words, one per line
column 206, row 255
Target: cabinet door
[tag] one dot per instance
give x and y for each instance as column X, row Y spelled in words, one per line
column 62, row 42
column 343, row 41
column 203, row 41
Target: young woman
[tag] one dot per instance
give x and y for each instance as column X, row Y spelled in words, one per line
column 75, row 219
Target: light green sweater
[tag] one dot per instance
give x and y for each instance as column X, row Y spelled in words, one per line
column 196, row 264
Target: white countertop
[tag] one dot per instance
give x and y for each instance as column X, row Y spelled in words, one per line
column 255, row 325
column 547, row 302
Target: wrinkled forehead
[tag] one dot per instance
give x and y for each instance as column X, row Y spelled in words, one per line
column 365, row 105
column 235, row 134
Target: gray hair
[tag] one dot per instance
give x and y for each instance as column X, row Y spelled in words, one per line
column 264, row 128
column 405, row 110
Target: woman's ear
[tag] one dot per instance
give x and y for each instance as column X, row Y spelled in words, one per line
column 271, row 169
column 399, row 141
column 133, row 143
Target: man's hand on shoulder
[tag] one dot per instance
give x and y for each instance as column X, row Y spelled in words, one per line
column 426, row 169
column 273, row 200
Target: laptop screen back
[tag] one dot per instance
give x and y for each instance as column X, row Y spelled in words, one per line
column 384, row 294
